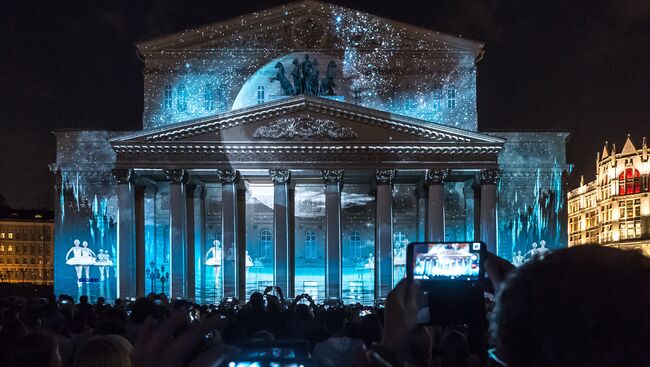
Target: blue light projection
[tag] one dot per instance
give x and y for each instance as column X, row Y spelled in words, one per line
column 380, row 65
column 85, row 238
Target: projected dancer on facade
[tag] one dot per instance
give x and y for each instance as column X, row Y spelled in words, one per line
column 104, row 262
column 82, row 258
column 213, row 258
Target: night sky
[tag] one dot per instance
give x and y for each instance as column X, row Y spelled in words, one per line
column 580, row 66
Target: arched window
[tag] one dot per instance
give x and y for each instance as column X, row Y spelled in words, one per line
column 266, row 243
column 208, row 97
column 355, row 244
column 181, row 98
column 310, row 245
column 451, row 96
column 168, row 97
column 260, row 94
column 629, row 182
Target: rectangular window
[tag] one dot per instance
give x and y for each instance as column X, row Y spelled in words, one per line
column 168, row 97
column 451, row 97
column 10, row 235
column 437, row 100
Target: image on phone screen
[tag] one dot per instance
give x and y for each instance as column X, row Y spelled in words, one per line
column 446, row 261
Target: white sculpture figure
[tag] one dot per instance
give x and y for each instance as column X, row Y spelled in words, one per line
column 533, row 252
column 88, row 256
column 215, row 251
column 370, row 264
column 542, row 248
column 104, row 263
column 518, row 259
column 249, row 264
column 75, row 260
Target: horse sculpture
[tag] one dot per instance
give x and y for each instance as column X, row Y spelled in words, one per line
column 287, row 88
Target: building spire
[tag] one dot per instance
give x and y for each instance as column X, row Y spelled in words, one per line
column 605, row 151
column 628, row 148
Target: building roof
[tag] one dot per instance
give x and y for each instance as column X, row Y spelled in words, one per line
column 32, row 215
column 264, row 24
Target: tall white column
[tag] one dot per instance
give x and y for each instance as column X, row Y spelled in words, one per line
column 489, row 181
column 282, row 263
column 230, row 231
column 178, row 280
column 333, row 259
column 384, row 232
column 126, row 233
column 435, row 226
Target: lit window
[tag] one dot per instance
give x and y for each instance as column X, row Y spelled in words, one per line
column 266, row 243
column 10, row 248
column 10, row 235
column 181, row 98
column 2, row 235
column 2, row 248
column 451, row 97
column 310, row 245
column 208, row 97
column 260, row 94
column 629, row 182
column 355, row 244
column 168, row 96
column 437, row 100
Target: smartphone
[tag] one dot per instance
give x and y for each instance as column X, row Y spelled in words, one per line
column 450, row 275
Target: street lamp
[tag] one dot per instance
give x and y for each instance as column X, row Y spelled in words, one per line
column 163, row 278
column 23, row 270
column 153, row 274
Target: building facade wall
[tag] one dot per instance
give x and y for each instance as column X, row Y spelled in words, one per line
column 27, row 250
column 614, row 209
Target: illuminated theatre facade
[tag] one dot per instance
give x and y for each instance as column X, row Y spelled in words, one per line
column 614, row 209
column 302, row 146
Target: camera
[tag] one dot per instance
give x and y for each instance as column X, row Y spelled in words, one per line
column 450, row 274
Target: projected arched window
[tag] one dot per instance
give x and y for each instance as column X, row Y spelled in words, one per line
column 168, row 96
column 451, row 96
column 266, row 243
column 629, row 182
column 260, row 94
column 355, row 244
column 181, row 98
column 208, row 97
column 310, row 245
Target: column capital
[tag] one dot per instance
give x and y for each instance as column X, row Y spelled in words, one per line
column 227, row 176
column 280, row 176
column 385, row 176
column 123, row 175
column 177, row 176
column 436, row 176
column 490, row 176
column 332, row 175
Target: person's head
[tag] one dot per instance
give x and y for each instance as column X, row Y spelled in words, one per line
column 335, row 322
column 101, row 301
column 104, row 351
column 583, row 306
column 142, row 308
column 370, row 329
column 83, row 299
column 84, row 244
column 256, row 301
column 38, row 350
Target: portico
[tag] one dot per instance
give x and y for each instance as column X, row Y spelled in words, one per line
column 334, row 174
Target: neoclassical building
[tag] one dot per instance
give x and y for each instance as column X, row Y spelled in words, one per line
column 614, row 209
column 301, row 146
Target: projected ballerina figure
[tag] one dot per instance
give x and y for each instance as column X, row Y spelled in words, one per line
column 104, row 263
column 82, row 258
column 213, row 258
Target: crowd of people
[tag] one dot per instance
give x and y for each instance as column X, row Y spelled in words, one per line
column 583, row 306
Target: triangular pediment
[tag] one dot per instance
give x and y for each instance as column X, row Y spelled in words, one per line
column 308, row 120
column 309, row 25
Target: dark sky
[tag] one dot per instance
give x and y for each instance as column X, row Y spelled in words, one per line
column 579, row 65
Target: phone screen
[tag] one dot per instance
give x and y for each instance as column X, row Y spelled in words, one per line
column 446, row 261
